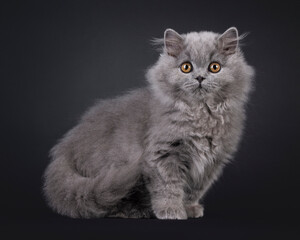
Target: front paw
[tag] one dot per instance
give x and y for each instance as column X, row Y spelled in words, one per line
column 195, row 211
column 171, row 213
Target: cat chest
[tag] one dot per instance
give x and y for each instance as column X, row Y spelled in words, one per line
column 207, row 133
column 206, row 145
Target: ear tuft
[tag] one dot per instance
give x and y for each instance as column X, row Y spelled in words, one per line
column 173, row 42
column 228, row 41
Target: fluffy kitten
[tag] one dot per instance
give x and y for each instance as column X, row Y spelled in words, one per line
column 156, row 151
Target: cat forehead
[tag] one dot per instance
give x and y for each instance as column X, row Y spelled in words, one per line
column 200, row 45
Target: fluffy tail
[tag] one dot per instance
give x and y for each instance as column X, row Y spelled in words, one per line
column 75, row 196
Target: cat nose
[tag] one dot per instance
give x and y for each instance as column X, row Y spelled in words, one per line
column 200, row 79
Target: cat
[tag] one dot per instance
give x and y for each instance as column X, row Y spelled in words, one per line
column 154, row 152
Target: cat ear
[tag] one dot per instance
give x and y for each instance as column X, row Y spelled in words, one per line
column 173, row 42
column 228, row 41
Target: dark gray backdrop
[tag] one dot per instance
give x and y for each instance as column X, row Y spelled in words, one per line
column 58, row 57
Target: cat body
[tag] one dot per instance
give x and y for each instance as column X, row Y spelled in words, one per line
column 155, row 151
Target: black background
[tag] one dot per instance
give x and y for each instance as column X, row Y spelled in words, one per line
column 58, row 57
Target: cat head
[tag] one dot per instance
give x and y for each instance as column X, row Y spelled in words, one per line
column 200, row 65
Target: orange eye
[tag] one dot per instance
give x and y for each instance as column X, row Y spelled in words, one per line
column 214, row 67
column 186, row 67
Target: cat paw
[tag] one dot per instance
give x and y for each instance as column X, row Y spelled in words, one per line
column 171, row 213
column 194, row 211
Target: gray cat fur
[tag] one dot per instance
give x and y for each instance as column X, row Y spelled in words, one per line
column 155, row 151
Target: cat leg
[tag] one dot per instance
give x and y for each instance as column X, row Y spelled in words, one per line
column 168, row 204
column 166, row 189
column 210, row 178
column 195, row 210
column 193, row 207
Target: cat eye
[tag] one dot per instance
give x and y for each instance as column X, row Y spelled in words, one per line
column 186, row 67
column 214, row 67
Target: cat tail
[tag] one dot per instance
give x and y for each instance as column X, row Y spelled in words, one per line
column 74, row 195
